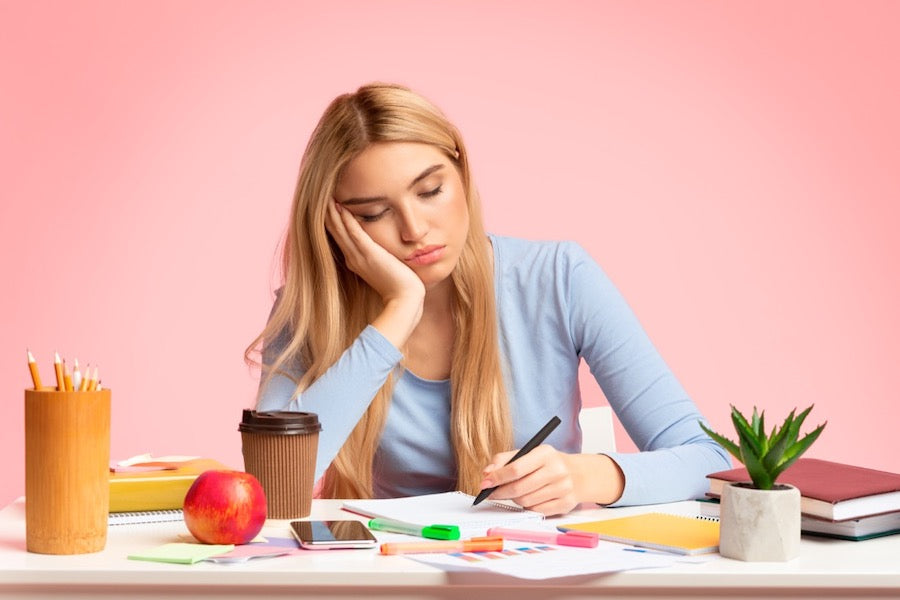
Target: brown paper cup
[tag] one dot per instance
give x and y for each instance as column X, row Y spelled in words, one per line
column 280, row 451
column 66, row 471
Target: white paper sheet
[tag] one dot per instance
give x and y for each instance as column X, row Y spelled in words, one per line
column 537, row 561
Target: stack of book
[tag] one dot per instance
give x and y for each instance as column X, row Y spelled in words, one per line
column 837, row 500
column 154, row 489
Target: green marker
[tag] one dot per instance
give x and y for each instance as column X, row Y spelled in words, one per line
column 435, row 532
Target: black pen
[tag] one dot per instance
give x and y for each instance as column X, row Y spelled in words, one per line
column 533, row 443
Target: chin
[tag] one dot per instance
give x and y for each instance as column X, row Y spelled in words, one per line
column 435, row 277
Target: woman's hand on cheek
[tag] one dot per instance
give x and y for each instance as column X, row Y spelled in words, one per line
column 542, row 480
column 401, row 290
column 384, row 272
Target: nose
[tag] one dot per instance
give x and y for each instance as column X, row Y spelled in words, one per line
column 413, row 224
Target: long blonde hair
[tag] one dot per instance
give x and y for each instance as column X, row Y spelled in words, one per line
column 323, row 306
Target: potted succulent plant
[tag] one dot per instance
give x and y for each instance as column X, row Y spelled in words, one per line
column 760, row 519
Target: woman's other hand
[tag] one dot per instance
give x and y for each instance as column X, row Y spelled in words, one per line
column 553, row 482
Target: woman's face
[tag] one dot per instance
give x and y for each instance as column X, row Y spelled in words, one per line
column 409, row 198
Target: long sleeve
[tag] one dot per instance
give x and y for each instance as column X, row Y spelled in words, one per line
column 652, row 405
column 341, row 395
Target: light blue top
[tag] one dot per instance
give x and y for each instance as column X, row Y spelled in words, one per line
column 555, row 306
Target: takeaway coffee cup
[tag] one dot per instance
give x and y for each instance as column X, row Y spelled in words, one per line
column 280, row 450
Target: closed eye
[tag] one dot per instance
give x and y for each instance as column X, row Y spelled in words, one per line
column 372, row 218
column 432, row 193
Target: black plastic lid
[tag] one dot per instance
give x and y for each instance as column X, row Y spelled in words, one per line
column 279, row 423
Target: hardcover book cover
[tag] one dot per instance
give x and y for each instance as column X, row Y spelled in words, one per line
column 829, row 490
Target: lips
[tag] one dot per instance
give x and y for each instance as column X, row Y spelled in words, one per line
column 426, row 255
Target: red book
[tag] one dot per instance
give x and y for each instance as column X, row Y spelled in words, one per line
column 829, row 490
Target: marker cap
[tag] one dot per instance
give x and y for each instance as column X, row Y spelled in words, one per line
column 441, row 532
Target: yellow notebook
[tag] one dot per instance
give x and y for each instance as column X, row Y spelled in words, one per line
column 672, row 533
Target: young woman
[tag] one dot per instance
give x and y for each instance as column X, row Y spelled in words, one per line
column 431, row 350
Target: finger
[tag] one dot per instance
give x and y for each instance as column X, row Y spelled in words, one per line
column 534, row 487
column 334, row 225
column 513, row 471
column 517, row 488
column 349, row 235
column 498, row 460
column 537, row 490
column 355, row 232
column 555, row 507
column 542, row 467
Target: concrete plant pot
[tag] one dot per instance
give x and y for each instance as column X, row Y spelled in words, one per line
column 759, row 525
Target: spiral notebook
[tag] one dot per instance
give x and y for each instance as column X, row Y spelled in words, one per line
column 145, row 516
column 660, row 531
column 446, row 508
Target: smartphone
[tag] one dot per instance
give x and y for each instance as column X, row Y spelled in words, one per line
column 332, row 535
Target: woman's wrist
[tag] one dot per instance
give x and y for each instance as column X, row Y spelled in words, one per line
column 597, row 478
column 399, row 318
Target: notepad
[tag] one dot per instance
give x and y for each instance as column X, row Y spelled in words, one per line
column 446, row 508
column 182, row 553
column 671, row 533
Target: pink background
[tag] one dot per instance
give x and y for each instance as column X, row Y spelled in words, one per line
column 735, row 167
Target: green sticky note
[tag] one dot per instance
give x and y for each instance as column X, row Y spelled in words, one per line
column 182, row 552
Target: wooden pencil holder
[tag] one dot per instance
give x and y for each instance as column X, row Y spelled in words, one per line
column 66, row 471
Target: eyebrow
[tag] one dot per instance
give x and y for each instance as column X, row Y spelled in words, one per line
column 419, row 177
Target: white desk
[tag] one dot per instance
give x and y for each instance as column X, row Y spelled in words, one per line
column 825, row 568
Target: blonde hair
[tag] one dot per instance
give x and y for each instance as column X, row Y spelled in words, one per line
column 323, row 306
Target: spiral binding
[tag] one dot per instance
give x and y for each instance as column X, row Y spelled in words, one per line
column 145, row 516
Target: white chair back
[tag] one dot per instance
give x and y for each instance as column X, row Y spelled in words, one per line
column 597, row 430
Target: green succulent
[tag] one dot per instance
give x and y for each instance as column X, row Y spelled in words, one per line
column 766, row 456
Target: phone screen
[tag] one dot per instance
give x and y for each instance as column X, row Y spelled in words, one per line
column 322, row 535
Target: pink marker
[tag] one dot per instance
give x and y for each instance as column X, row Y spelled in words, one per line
column 581, row 539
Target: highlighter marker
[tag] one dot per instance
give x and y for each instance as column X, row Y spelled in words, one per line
column 579, row 539
column 435, row 532
column 477, row 544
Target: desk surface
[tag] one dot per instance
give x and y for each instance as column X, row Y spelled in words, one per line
column 825, row 568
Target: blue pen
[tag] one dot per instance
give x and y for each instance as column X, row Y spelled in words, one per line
column 643, row 551
column 435, row 532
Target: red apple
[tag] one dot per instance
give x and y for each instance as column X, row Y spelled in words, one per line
column 225, row 507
